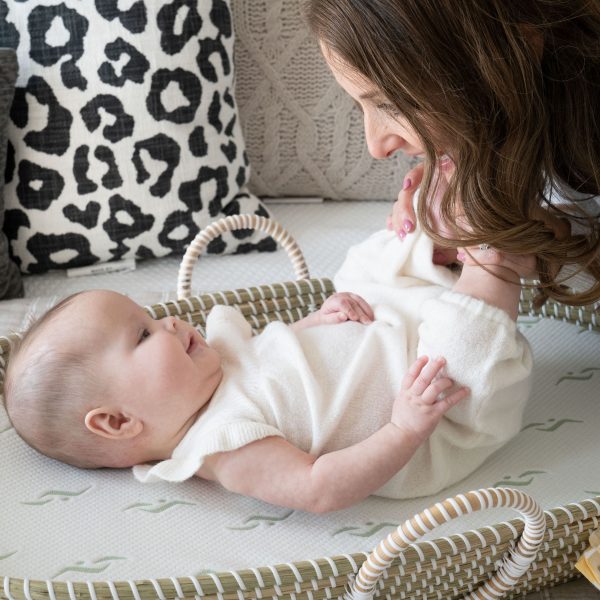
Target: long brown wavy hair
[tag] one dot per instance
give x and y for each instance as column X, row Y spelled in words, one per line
column 509, row 89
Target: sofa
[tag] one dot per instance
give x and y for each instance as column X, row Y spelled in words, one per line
column 123, row 137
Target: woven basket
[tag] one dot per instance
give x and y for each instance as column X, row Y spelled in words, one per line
column 507, row 559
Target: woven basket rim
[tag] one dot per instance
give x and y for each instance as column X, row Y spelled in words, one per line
column 568, row 519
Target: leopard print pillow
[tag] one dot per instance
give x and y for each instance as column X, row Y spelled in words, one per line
column 124, row 136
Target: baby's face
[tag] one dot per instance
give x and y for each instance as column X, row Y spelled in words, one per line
column 159, row 371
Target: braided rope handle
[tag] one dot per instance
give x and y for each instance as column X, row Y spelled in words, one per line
column 515, row 562
column 234, row 222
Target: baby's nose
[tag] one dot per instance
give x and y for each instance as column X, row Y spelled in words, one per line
column 171, row 324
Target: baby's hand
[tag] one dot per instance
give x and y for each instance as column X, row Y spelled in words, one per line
column 420, row 404
column 344, row 306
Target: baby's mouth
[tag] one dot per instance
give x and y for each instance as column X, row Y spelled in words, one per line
column 192, row 345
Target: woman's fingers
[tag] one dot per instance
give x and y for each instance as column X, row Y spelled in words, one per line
column 403, row 219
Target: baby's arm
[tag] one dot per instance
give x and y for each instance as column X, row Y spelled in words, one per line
column 337, row 308
column 275, row 471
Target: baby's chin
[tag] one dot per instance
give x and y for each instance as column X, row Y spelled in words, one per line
column 443, row 256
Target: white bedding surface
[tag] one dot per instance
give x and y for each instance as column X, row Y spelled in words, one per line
column 58, row 522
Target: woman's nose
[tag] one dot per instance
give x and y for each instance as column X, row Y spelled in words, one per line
column 381, row 141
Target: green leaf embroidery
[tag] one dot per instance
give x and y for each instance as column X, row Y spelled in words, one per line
column 255, row 520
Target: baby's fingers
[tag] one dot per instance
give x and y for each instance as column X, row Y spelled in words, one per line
column 366, row 314
column 435, row 388
column 445, row 404
column 428, row 373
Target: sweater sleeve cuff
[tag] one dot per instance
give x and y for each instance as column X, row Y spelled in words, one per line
column 478, row 309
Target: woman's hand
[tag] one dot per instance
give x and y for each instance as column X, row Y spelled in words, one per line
column 402, row 219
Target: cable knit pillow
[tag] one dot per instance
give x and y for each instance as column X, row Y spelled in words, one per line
column 10, row 279
column 125, row 131
column 303, row 133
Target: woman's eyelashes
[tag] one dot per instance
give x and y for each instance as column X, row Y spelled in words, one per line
column 390, row 109
column 143, row 335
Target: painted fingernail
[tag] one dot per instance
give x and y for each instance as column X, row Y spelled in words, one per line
column 460, row 256
column 407, row 183
column 408, row 225
column 401, row 233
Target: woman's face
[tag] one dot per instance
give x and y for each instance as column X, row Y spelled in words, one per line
column 386, row 131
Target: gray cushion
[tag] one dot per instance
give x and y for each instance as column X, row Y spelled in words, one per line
column 11, row 285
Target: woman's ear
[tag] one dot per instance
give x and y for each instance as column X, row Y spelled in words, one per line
column 113, row 424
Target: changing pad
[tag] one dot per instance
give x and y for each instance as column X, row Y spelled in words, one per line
column 62, row 523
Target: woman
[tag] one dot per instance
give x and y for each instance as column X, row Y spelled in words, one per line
column 501, row 99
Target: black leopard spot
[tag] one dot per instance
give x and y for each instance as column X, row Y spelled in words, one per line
column 81, row 166
column 134, row 70
column 43, row 246
column 9, row 167
column 190, row 87
column 55, row 137
column 221, row 18
column 175, row 222
column 19, row 110
column 137, row 221
column 216, row 246
column 87, row 217
column 170, row 41
column 214, row 112
column 229, row 129
column 229, row 150
column 241, row 176
column 14, row 218
column 112, row 178
column 9, row 34
column 161, row 148
column 210, row 187
column 233, row 208
column 134, row 19
column 209, row 51
column 143, row 253
column 38, row 187
column 39, row 22
column 197, row 142
column 267, row 244
column 120, row 129
column 228, row 98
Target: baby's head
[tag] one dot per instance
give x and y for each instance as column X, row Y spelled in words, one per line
column 96, row 382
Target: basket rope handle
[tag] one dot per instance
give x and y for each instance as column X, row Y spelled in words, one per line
column 232, row 223
column 515, row 563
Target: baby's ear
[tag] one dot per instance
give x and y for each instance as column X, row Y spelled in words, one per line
column 112, row 424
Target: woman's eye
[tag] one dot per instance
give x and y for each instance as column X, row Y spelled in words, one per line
column 390, row 109
column 144, row 334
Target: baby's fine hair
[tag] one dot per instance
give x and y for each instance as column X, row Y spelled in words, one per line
column 45, row 390
column 509, row 88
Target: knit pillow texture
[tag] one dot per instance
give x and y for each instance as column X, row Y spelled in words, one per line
column 124, row 130
column 304, row 135
column 11, row 285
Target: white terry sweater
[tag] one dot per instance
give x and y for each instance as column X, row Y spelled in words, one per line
column 327, row 387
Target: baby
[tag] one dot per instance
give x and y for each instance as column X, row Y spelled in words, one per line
column 313, row 416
